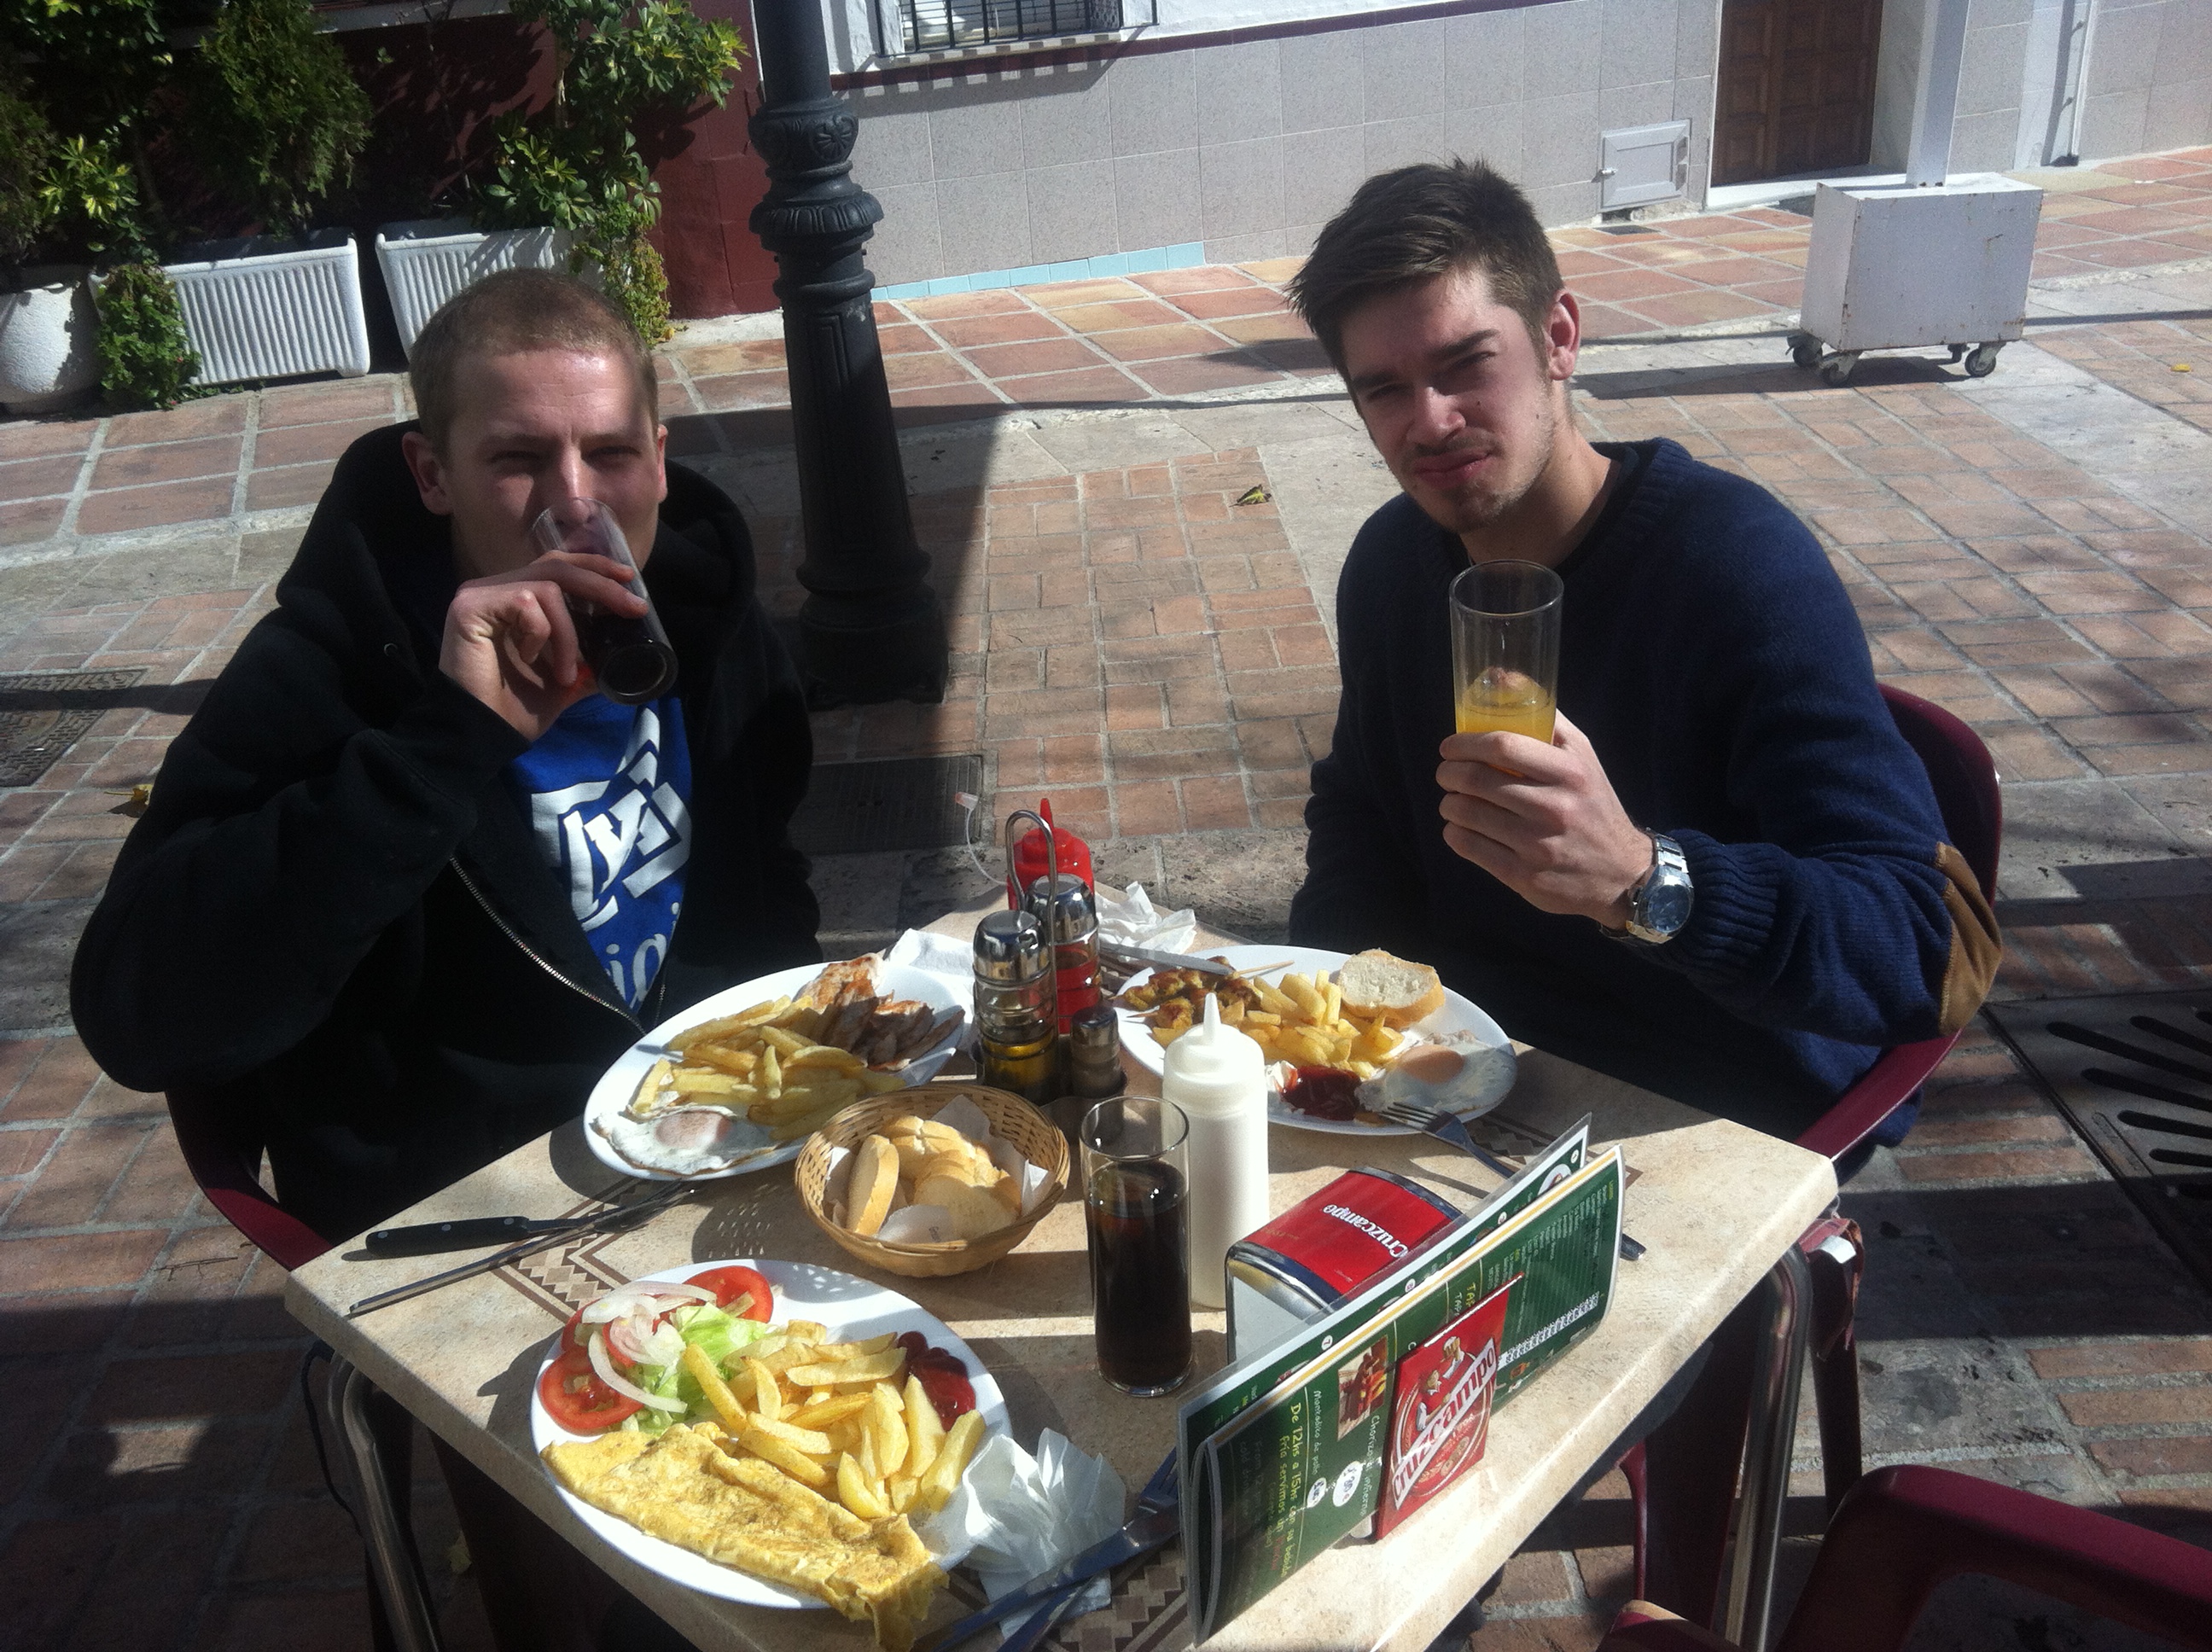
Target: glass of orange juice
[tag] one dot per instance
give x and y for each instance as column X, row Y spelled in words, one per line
column 1505, row 648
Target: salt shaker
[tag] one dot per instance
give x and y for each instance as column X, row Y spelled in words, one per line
column 1093, row 1043
column 1219, row 1078
column 1063, row 905
column 1016, row 1023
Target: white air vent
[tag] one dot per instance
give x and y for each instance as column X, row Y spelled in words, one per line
column 1639, row 164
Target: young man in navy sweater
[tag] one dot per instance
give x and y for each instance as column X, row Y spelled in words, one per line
column 1726, row 879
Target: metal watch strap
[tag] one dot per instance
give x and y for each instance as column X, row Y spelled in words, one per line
column 1670, row 868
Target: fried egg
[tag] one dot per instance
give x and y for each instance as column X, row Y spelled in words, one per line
column 1452, row 1073
column 683, row 1141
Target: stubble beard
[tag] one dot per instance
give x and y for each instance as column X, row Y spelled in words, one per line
column 1479, row 509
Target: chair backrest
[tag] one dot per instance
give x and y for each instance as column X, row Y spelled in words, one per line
column 1964, row 777
column 227, row 1167
column 1965, row 781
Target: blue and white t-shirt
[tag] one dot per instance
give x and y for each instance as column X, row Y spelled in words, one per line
column 607, row 791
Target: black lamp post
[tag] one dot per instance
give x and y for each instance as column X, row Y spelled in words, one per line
column 872, row 629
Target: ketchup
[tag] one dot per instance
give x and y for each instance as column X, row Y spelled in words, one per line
column 1325, row 1093
column 943, row 1377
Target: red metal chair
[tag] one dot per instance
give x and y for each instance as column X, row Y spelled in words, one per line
column 1682, row 1486
column 225, row 1160
column 1901, row 1532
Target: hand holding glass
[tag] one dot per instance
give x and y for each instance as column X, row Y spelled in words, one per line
column 630, row 658
column 1136, row 1208
column 1505, row 648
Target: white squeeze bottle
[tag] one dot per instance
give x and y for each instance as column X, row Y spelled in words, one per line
column 1219, row 1078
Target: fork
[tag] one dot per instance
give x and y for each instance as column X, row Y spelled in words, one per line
column 1054, row 1594
column 1448, row 1129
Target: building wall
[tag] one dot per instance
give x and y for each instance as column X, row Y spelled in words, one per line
column 1248, row 146
column 2150, row 77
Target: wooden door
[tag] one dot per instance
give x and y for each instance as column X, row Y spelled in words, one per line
column 1796, row 86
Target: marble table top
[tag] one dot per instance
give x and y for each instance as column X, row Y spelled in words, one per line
column 1717, row 1204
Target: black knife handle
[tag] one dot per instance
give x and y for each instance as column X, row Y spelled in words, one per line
column 428, row 1238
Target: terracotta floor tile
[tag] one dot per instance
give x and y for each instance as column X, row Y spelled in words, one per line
column 1624, row 286
column 1059, row 355
column 41, row 438
column 1274, row 271
column 288, row 484
column 751, row 355
column 925, row 372
column 996, row 301
column 1603, row 321
column 1013, row 327
column 738, row 390
column 366, row 399
column 212, row 415
column 1072, row 295
column 1693, row 309
column 170, row 461
column 1205, row 278
column 154, row 506
column 1241, row 301
column 1151, row 343
column 301, row 444
column 38, row 478
column 1139, row 313
column 1281, row 326
column 1189, row 375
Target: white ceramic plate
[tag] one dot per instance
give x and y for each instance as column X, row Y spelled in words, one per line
column 620, row 1082
column 852, row 1309
column 1458, row 1015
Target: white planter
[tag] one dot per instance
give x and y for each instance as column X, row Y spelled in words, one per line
column 46, row 331
column 428, row 261
column 266, row 309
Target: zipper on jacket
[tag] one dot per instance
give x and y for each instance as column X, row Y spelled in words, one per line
column 532, row 953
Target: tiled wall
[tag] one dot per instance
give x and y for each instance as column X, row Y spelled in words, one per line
column 2150, row 77
column 1250, row 148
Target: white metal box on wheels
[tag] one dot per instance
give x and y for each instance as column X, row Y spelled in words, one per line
column 1899, row 267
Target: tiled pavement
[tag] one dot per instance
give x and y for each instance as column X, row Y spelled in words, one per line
column 1129, row 637
column 1149, row 338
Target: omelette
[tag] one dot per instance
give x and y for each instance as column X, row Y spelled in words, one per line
column 683, row 1487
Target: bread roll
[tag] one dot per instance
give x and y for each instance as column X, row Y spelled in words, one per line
column 875, row 1177
column 1380, row 988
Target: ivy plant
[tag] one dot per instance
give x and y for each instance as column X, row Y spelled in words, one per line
column 576, row 165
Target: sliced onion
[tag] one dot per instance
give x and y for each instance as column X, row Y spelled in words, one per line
column 625, row 1299
column 665, row 1346
column 625, row 1343
column 603, row 1368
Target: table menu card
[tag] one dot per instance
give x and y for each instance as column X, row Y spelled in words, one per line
column 1283, row 1454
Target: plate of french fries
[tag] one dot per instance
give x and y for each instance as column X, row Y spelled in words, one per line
column 739, row 1081
column 1286, row 1000
column 828, row 1402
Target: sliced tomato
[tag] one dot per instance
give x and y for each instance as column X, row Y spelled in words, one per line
column 728, row 1284
column 575, row 1398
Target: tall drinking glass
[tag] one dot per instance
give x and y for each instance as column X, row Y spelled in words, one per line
column 630, row 658
column 1505, row 648
column 1136, row 1190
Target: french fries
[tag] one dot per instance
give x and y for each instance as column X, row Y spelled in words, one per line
column 790, row 1063
column 1300, row 1020
column 832, row 1416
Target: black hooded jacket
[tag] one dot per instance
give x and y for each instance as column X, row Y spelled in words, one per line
column 333, row 912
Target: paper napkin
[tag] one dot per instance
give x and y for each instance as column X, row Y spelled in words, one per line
column 1025, row 1515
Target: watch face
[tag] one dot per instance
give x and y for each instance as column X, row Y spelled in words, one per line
column 1666, row 906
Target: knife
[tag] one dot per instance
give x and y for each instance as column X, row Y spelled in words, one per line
column 428, row 1238
column 1162, row 960
column 604, row 1221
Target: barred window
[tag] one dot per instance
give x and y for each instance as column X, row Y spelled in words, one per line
column 952, row 25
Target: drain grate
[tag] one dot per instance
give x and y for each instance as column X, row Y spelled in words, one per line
column 895, row 803
column 44, row 713
column 2135, row 1075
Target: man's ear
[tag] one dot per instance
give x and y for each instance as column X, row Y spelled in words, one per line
column 430, row 473
column 1563, row 337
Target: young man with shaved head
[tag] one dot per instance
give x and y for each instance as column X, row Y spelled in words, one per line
column 408, row 883
column 1725, row 878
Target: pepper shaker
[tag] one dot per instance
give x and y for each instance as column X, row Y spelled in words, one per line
column 1065, row 909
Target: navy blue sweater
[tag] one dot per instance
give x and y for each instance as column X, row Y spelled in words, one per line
column 1711, row 656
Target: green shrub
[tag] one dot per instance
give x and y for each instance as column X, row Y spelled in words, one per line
column 576, row 165
column 276, row 117
column 27, row 150
column 145, row 360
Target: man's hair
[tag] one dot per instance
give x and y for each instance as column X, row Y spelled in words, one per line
column 510, row 312
column 1419, row 223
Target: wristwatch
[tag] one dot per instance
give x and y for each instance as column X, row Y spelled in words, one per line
column 1659, row 905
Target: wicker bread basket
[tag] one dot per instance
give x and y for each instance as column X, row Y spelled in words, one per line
column 1012, row 1121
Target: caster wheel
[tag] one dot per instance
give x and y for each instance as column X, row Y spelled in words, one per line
column 1958, row 350
column 1837, row 370
column 1982, row 360
column 1805, row 352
